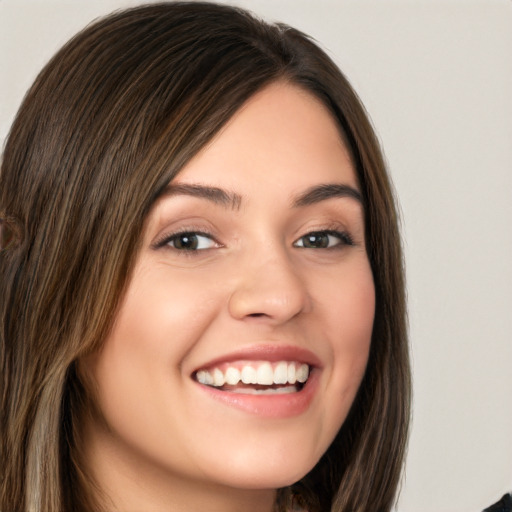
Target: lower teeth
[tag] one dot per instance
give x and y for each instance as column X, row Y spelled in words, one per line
column 267, row 391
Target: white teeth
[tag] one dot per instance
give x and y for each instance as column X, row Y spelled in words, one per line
column 302, row 373
column 265, row 375
column 269, row 391
column 204, row 377
column 291, row 374
column 281, row 373
column 249, row 375
column 232, row 376
column 262, row 373
column 218, row 378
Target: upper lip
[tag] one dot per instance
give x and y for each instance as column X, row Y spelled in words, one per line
column 267, row 352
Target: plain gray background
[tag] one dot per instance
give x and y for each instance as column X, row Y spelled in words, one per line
column 436, row 78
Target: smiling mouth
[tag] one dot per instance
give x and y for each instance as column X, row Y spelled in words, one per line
column 256, row 377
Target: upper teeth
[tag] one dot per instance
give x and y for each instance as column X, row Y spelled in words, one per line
column 262, row 373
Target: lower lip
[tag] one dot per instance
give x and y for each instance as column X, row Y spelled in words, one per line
column 272, row 405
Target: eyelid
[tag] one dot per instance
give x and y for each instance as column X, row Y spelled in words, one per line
column 345, row 239
column 164, row 240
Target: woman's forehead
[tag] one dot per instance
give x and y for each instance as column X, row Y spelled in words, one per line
column 281, row 129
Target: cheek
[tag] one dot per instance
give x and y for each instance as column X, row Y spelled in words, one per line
column 350, row 308
column 349, row 305
column 138, row 374
column 164, row 305
column 158, row 324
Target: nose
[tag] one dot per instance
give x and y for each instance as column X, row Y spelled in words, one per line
column 270, row 289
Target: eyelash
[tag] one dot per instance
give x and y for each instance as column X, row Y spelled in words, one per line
column 345, row 239
column 166, row 241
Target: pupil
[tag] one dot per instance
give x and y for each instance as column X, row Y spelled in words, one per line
column 317, row 240
column 186, row 241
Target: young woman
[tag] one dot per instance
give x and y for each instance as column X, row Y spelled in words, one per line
column 203, row 298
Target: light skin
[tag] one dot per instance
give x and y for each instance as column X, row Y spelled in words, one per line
column 273, row 255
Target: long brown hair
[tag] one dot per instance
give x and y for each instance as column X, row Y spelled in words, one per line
column 108, row 123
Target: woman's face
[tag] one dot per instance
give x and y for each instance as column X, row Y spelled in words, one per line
column 245, row 330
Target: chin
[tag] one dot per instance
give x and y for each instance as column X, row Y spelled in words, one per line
column 264, row 469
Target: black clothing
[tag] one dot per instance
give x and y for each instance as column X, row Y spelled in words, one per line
column 504, row 505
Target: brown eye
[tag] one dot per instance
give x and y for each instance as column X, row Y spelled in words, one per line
column 190, row 241
column 316, row 241
column 323, row 240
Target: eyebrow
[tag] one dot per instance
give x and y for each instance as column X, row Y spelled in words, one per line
column 326, row 191
column 215, row 194
column 229, row 199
